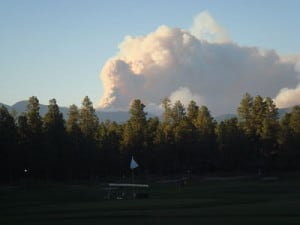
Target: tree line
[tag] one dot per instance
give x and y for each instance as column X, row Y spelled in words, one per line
column 184, row 139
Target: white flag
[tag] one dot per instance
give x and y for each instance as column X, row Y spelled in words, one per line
column 133, row 164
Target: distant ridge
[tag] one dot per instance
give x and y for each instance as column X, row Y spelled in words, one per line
column 117, row 116
column 281, row 113
column 7, row 106
column 21, row 107
column 224, row 117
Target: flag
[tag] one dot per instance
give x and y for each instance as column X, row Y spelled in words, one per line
column 133, row 164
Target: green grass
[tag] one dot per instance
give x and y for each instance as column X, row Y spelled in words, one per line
column 203, row 202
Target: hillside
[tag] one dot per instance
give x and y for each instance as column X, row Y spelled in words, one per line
column 117, row 116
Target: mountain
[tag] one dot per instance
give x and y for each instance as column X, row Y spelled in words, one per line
column 7, row 106
column 224, row 117
column 283, row 111
column 21, row 106
column 117, row 116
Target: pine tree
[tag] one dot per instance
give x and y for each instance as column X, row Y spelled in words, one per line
column 8, row 140
column 245, row 115
column 88, row 120
column 35, row 150
column 55, row 142
column 134, row 129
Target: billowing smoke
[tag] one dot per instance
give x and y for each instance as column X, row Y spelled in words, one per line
column 199, row 64
column 206, row 28
column 184, row 95
column 288, row 97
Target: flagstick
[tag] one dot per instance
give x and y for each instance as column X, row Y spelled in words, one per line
column 133, row 165
column 133, row 188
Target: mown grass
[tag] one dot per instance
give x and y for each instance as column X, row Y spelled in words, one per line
column 231, row 202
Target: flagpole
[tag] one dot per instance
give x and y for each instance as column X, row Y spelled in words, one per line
column 132, row 180
column 133, row 165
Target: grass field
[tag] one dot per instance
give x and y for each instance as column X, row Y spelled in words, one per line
column 222, row 202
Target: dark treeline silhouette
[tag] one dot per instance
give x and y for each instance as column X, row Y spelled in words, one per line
column 184, row 139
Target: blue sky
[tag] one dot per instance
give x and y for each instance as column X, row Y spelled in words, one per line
column 56, row 48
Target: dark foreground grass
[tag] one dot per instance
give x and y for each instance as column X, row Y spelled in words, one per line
column 223, row 202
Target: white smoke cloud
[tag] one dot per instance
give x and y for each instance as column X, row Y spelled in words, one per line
column 205, row 27
column 185, row 96
column 154, row 109
column 288, row 97
column 292, row 59
column 214, row 72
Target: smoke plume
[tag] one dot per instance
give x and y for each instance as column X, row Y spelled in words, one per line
column 199, row 64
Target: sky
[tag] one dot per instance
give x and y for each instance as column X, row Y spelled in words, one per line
column 69, row 49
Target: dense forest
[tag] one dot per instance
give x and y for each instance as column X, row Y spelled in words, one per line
column 184, row 139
